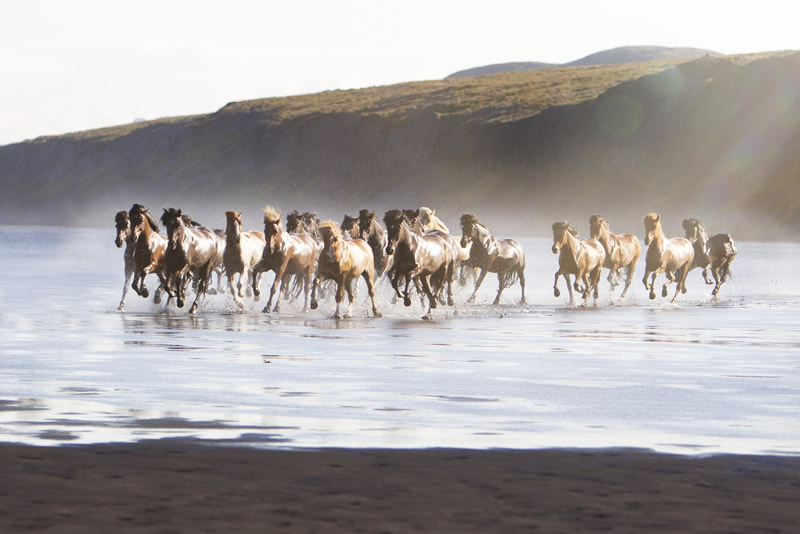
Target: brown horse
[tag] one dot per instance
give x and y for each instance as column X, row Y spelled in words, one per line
column 286, row 254
column 149, row 253
column 582, row 258
column 429, row 258
column 191, row 253
column 243, row 250
column 124, row 236
column 622, row 252
column 672, row 257
column 343, row 260
column 372, row 231
column 713, row 254
column 502, row 256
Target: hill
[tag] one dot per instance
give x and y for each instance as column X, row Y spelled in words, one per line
column 711, row 138
column 624, row 54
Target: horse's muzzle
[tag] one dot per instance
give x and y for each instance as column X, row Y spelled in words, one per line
column 389, row 250
column 554, row 249
column 118, row 242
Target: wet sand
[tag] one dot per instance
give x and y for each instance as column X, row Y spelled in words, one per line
column 184, row 486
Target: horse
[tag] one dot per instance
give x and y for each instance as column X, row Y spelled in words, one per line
column 430, row 222
column 713, row 254
column 191, row 253
column 243, row 249
column 622, row 252
column 371, row 230
column 286, row 254
column 349, row 226
column 502, row 256
column 672, row 256
column 343, row 260
column 429, row 258
column 149, row 251
column 582, row 258
column 124, row 237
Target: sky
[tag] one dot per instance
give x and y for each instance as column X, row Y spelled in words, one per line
column 74, row 65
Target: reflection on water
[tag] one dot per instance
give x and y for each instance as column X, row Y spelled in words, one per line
column 693, row 378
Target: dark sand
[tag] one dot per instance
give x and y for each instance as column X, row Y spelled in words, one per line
column 180, row 486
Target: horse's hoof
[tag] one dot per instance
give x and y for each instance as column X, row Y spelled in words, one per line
column 180, row 303
column 522, row 302
column 276, row 309
column 121, row 308
column 145, row 293
column 211, row 291
column 652, row 295
column 451, row 302
column 157, row 299
column 314, row 305
column 406, row 301
column 265, row 310
column 337, row 316
column 664, row 292
column 376, row 314
column 428, row 317
column 556, row 292
column 683, row 290
column 472, row 299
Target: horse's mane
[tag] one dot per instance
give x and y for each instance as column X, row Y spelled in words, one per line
column 469, row 218
column 272, row 214
column 394, row 217
column 121, row 218
column 294, row 221
column 330, row 229
column 565, row 226
column 691, row 221
column 366, row 214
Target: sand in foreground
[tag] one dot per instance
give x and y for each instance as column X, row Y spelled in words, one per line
column 182, row 486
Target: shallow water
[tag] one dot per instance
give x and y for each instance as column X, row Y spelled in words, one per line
column 695, row 378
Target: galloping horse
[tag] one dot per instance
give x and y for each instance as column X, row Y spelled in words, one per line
column 430, row 258
column 582, row 258
column 149, row 251
column 622, row 252
column 371, row 230
column 286, row 254
column 191, row 253
column 243, row 250
column 672, row 257
column 713, row 254
column 124, row 237
column 343, row 260
column 349, row 226
column 502, row 256
column 429, row 222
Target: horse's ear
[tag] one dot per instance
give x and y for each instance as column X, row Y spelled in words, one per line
column 372, row 214
column 179, row 212
column 416, row 213
column 658, row 217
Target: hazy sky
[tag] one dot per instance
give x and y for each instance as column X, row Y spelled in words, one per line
column 79, row 64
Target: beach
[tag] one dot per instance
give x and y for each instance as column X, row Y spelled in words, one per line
column 188, row 486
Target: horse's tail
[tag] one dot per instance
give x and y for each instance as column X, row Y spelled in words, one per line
column 509, row 279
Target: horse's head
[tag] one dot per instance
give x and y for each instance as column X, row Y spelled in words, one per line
column 123, row 224
column 311, row 223
column 332, row 240
column 272, row 220
column 468, row 223
column 596, row 225
column 412, row 218
column 174, row 223
column 561, row 233
column 350, row 226
column 695, row 230
column 652, row 224
column 294, row 223
column 366, row 220
column 393, row 219
column 233, row 228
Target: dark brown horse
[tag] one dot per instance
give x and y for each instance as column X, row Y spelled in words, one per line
column 673, row 257
column 124, row 238
column 286, row 254
column 430, row 258
column 622, row 252
column 343, row 260
column 713, row 254
column 191, row 254
column 582, row 258
column 149, row 251
column 243, row 250
column 491, row 255
column 373, row 232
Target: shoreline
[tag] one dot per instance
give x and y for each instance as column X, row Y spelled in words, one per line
column 177, row 485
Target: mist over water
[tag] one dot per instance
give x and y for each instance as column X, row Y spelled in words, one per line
column 698, row 377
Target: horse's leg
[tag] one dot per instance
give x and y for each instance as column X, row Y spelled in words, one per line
column 670, row 278
column 431, row 298
column 478, row 283
column 521, row 276
column 314, row 303
column 614, row 275
column 501, row 284
column 596, row 282
column 274, row 287
column 256, row 281
column 306, row 284
column 202, row 285
column 628, row 279
column 348, row 286
column 160, row 290
column 681, row 281
column 652, row 284
column 371, row 292
column 128, row 275
column 286, row 281
column 230, row 275
column 556, row 291
column 340, row 289
column 406, row 298
column 451, row 274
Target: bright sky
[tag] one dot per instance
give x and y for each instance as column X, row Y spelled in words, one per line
column 80, row 64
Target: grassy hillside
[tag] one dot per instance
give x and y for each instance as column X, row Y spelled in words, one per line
column 711, row 138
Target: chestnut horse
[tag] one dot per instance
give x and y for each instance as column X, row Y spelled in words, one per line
column 622, row 252
column 713, row 254
column 343, row 260
column 149, row 251
column 672, row 257
column 429, row 258
column 122, row 222
column 191, row 253
column 286, row 254
column 243, row 250
column 582, row 258
column 502, row 256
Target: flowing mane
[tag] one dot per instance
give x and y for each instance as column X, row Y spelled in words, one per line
column 271, row 214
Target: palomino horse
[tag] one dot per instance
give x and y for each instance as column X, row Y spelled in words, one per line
column 122, row 222
column 372, row 231
column 582, row 258
column 713, row 254
column 430, row 258
column 243, row 250
column 672, row 257
column 622, row 252
column 502, row 256
column 286, row 254
column 149, row 251
column 430, row 222
column 191, row 253
column 343, row 260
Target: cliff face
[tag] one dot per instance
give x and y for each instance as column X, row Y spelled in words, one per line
column 713, row 138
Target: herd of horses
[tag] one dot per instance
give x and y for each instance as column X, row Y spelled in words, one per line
column 413, row 249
